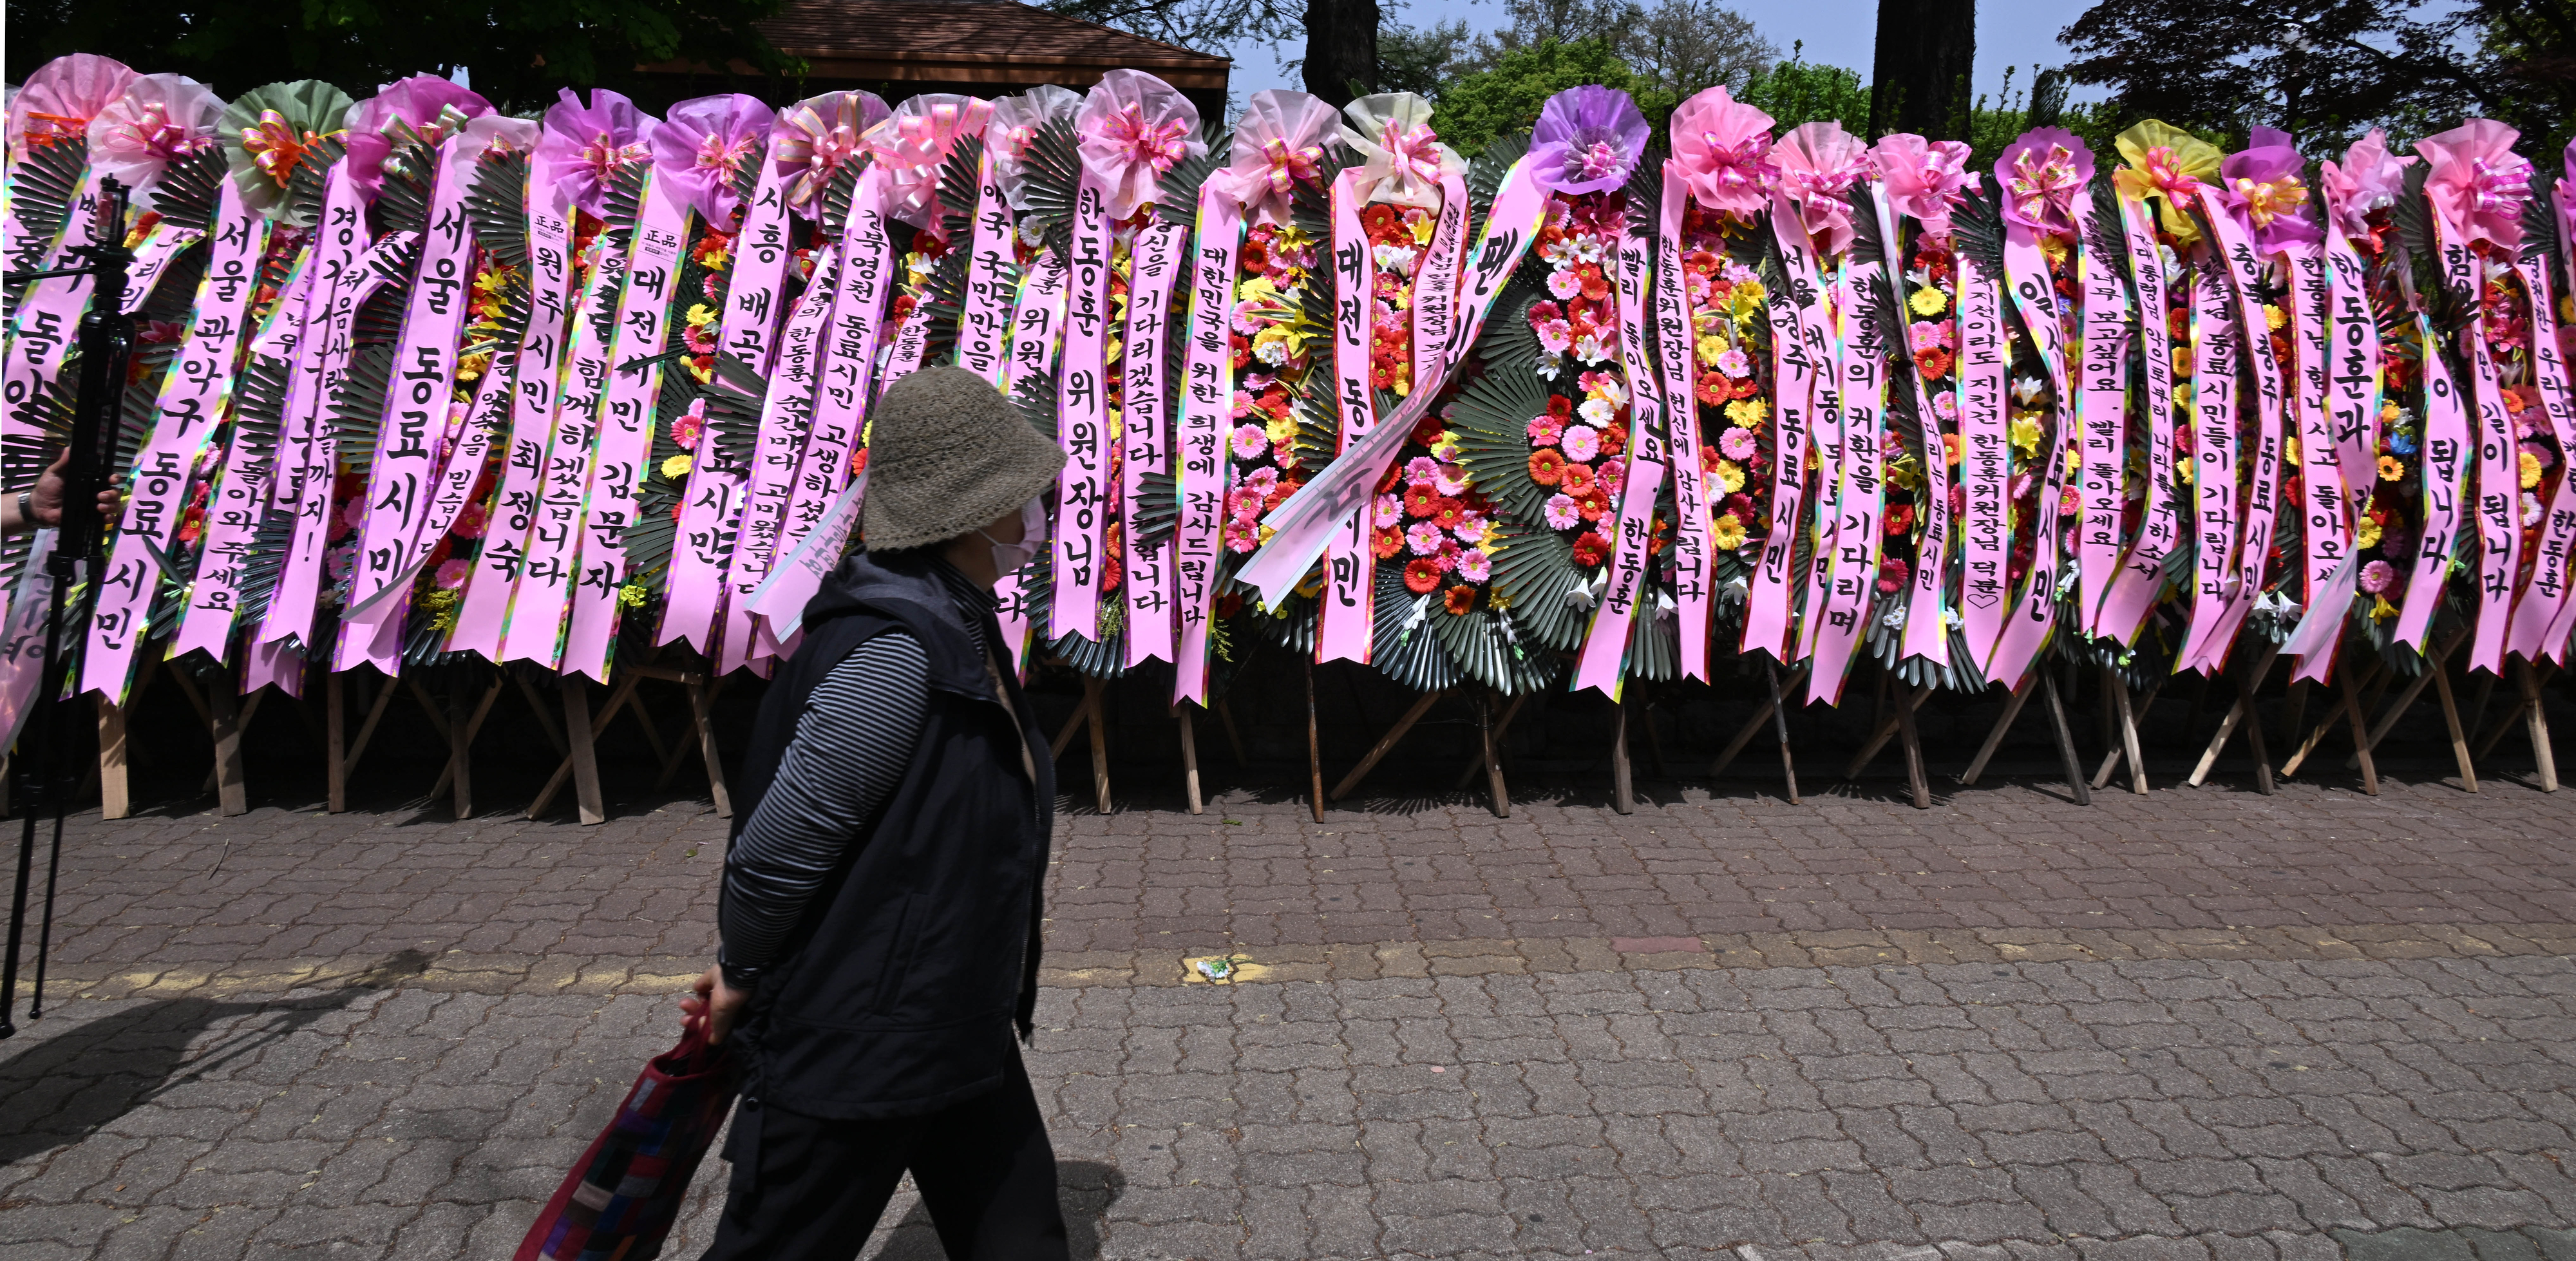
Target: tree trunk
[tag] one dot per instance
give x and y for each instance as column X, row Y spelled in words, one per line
column 1926, row 52
column 1341, row 49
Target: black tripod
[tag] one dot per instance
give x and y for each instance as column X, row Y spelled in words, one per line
column 106, row 340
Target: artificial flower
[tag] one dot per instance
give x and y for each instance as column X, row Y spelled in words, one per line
column 2368, row 179
column 704, row 144
column 1014, row 124
column 2477, row 183
column 2169, row 164
column 1925, row 178
column 1726, row 533
column 1401, row 161
column 2377, row 576
column 157, row 120
column 1421, row 575
column 1459, row 600
column 913, row 143
column 429, row 107
column 2262, row 189
column 2042, row 174
column 1723, row 150
column 1132, row 128
column 817, row 137
column 1819, row 163
column 1587, row 140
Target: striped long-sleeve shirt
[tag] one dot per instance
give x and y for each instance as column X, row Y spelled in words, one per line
column 851, row 747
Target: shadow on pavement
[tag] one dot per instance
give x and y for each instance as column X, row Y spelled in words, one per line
column 65, row 1088
column 1086, row 1188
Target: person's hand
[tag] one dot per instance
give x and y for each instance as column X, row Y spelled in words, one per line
column 718, row 1003
column 45, row 498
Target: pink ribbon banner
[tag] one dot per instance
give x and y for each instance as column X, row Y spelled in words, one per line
column 791, row 584
column 2213, row 482
column 240, row 494
column 2497, row 502
column 2447, row 452
column 1159, row 254
column 403, row 477
column 1686, row 562
column 1347, row 614
column 2326, row 512
column 1435, row 286
column 161, row 246
column 2034, row 297
column 1985, row 465
column 626, row 416
column 2261, row 497
column 2141, row 580
column 1207, row 398
column 307, row 451
column 1927, row 629
column 1037, row 333
column 544, row 592
column 712, row 501
column 1797, row 368
column 1082, row 490
column 47, row 316
column 1306, row 522
column 535, row 381
column 2101, row 397
column 1853, row 575
column 1602, row 662
column 984, row 326
column 786, row 414
column 2545, row 597
column 194, row 396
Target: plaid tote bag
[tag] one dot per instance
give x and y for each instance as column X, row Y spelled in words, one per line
column 623, row 1194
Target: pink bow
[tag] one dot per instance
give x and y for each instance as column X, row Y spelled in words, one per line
column 1819, row 162
column 817, row 138
column 602, row 156
column 2478, row 184
column 2043, row 189
column 1723, row 148
column 1132, row 128
column 1289, row 166
column 1140, row 143
column 1412, row 153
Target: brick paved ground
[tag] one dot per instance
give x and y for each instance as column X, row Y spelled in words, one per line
column 2197, row 1024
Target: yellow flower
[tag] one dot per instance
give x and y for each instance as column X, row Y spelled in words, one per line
column 1746, row 301
column 2186, row 470
column 2025, row 436
column 677, row 466
column 2074, row 463
column 701, row 315
column 1905, row 472
column 1929, row 301
column 1726, row 533
column 1709, row 349
column 2530, row 470
column 1422, row 229
column 1747, row 412
column 632, row 595
column 1730, row 475
column 2390, row 470
column 2366, row 534
column 2290, row 449
column 2274, row 317
column 1280, row 429
column 2388, row 413
column 2380, row 609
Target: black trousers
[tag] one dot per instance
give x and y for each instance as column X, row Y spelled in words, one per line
column 808, row 1188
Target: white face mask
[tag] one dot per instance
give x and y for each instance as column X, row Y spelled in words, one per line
column 1008, row 558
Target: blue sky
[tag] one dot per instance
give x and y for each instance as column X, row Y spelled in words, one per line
column 1837, row 32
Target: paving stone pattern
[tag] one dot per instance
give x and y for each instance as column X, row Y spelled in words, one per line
column 2205, row 1025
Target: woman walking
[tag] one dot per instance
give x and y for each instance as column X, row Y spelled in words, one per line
column 882, row 893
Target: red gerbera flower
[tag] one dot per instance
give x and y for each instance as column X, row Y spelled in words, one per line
column 1387, row 542
column 1426, row 431
column 1421, row 499
column 1421, row 574
column 1560, row 407
column 1447, row 512
column 1900, row 519
column 1578, row 480
column 1714, row 389
column 1590, row 550
column 1459, row 599
column 1614, row 440
column 1933, row 363
column 1893, row 574
column 1708, row 458
column 1547, row 466
column 1592, row 504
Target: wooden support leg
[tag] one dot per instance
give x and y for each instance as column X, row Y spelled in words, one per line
column 2352, row 715
column 2131, row 716
column 2003, row 725
column 367, row 729
column 336, row 724
column 2297, row 710
column 1099, row 744
column 1654, row 741
column 2327, row 720
column 1780, row 727
column 1072, row 724
column 1314, row 744
column 2406, row 698
column 1914, row 776
column 1189, row 757
column 1623, row 787
column 2065, row 739
column 545, row 714
column 702, row 703
column 1762, row 711
column 1233, row 737
column 115, row 801
column 582, row 764
column 456, row 756
column 2237, row 714
column 2459, row 738
column 1502, row 727
column 1888, row 725
column 2536, row 720
column 1497, row 793
column 1385, row 744
column 231, row 796
column 460, row 749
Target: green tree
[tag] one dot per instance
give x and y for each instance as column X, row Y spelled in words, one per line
column 517, row 52
column 1800, row 91
column 1420, row 59
column 1478, row 106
